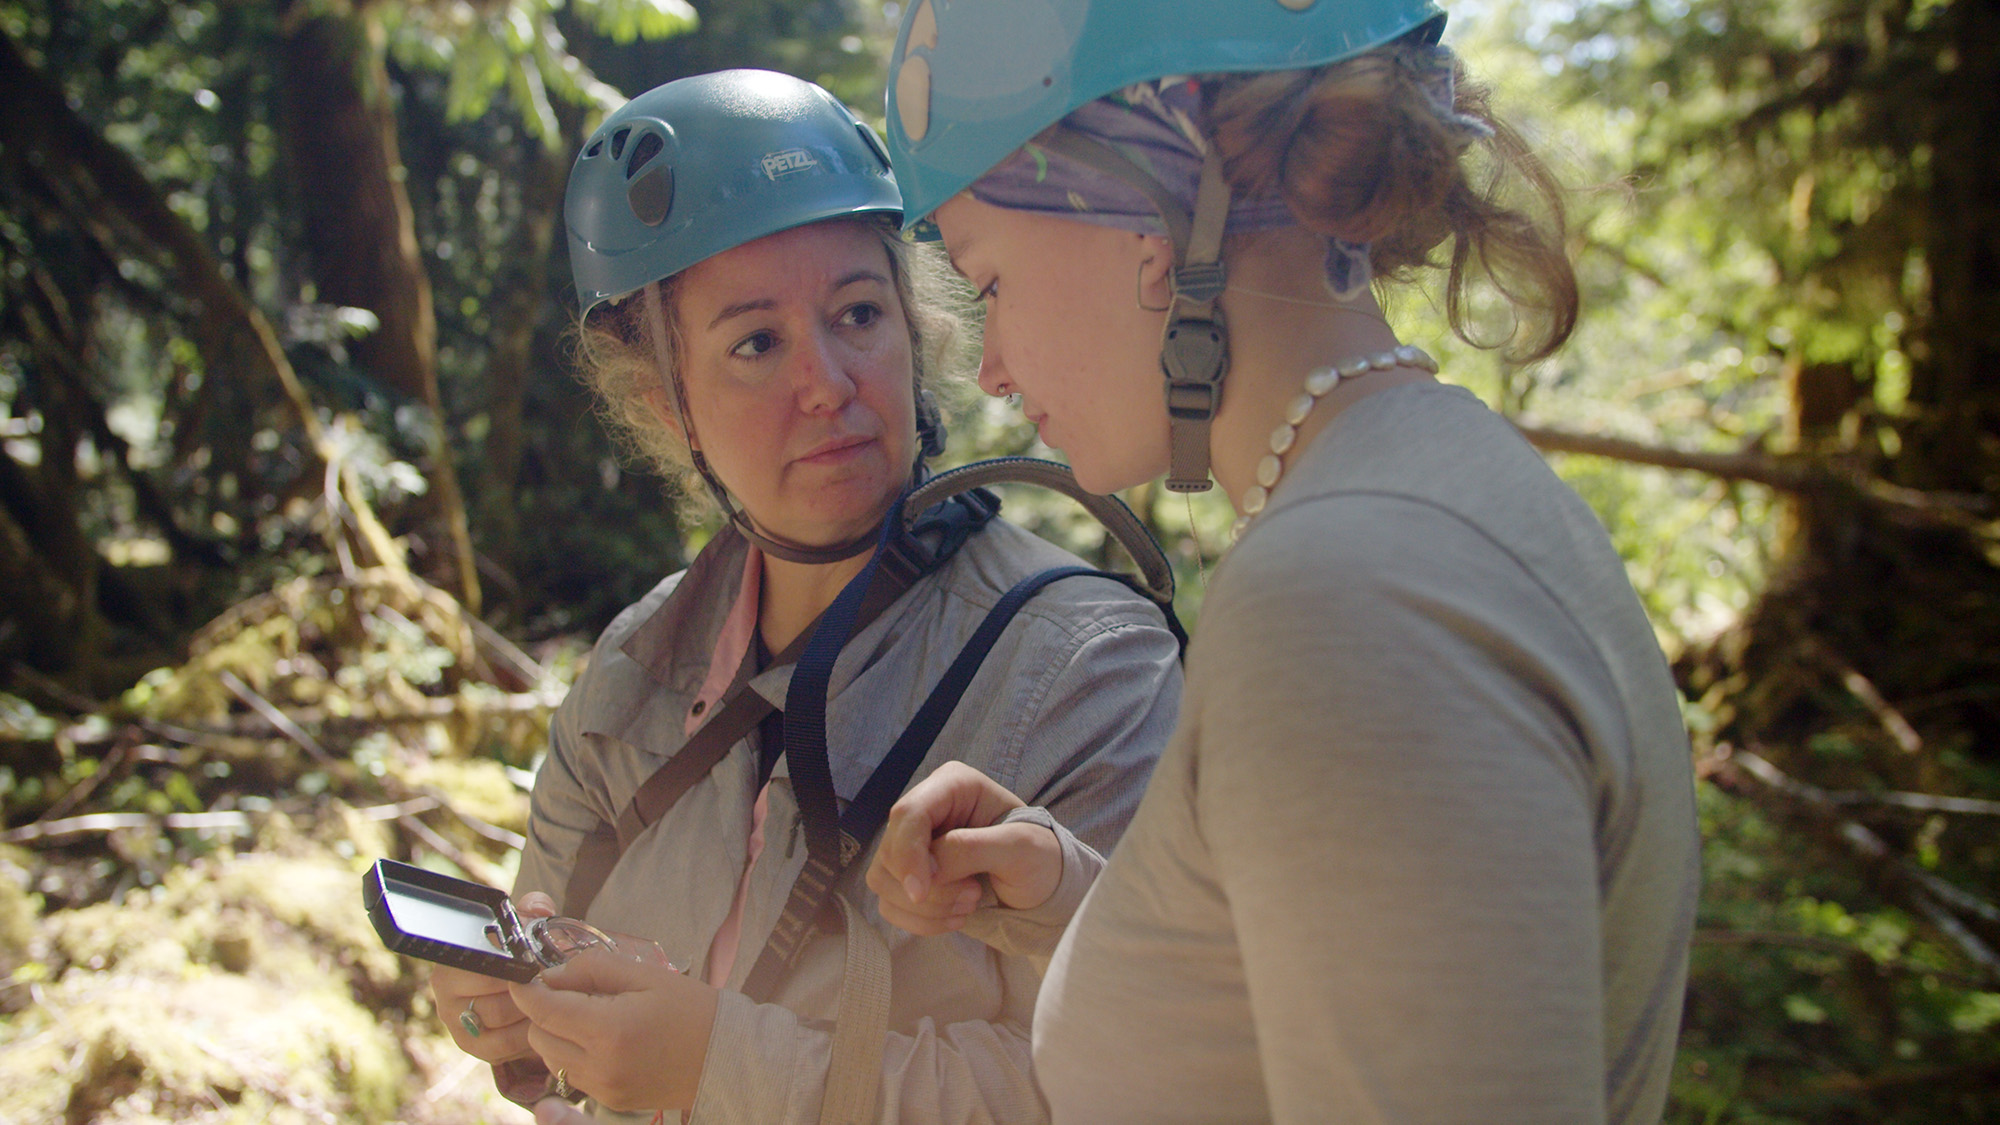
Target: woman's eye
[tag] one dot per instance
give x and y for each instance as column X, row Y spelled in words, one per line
column 861, row 315
column 991, row 291
column 754, row 345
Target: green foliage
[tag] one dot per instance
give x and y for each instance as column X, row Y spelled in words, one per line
column 517, row 48
column 626, row 21
column 1804, row 1008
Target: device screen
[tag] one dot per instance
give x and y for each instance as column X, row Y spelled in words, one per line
column 425, row 913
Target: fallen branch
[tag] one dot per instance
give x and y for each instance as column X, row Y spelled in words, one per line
column 428, row 709
column 513, row 841
column 1939, row 902
column 474, row 865
column 107, row 767
column 1860, row 687
column 1795, row 475
column 1923, row 802
column 1756, row 468
column 277, row 718
column 1814, row 944
column 45, row 831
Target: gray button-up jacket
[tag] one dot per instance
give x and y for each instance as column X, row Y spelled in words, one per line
column 1070, row 711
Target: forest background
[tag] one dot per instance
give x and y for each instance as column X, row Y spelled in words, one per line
column 304, row 525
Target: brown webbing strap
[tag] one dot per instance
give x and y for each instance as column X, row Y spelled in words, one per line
column 860, row 1028
column 737, row 715
column 1194, row 352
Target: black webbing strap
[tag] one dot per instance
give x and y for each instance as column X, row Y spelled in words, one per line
column 735, row 717
column 844, row 835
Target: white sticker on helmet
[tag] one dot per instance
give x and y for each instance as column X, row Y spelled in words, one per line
column 785, row 163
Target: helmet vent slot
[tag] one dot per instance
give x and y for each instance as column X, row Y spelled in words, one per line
column 618, row 143
column 594, row 149
column 651, row 196
column 874, row 144
column 646, row 149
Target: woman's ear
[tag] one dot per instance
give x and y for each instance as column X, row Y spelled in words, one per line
column 663, row 409
column 1155, row 287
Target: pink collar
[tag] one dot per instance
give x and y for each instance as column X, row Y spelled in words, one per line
column 732, row 641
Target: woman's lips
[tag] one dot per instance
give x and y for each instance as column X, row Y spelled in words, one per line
column 835, row 450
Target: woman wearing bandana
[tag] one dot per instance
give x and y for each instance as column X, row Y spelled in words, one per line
column 1423, row 846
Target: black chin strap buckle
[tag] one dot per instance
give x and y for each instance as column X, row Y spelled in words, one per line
column 1193, row 356
column 937, row 533
column 930, row 425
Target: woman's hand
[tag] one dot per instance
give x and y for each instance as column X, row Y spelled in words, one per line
column 630, row 1032
column 941, row 837
column 477, row 1010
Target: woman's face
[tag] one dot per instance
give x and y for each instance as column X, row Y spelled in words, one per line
column 1064, row 330
column 797, row 367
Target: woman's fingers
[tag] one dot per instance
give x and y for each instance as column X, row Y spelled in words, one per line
column 1022, row 862
column 490, row 1013
column 633, row 1034
column 902, row 865
column 535, row 904
column 954, row 796
column 944, row 909
column 479, row 1014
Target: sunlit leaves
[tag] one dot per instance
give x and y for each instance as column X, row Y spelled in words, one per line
column 516, row 48
column 628, row 20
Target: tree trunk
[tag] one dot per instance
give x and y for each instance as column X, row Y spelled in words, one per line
column 1957, row 385
column 510, row 365
column 340, row 137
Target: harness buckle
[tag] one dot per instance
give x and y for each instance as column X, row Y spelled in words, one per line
column 1194, row 355
column 1200, row 281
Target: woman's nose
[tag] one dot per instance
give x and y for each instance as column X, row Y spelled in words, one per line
column 993, row 373
column 822, row 380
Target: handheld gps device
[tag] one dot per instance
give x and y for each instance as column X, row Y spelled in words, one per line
column 433, row 916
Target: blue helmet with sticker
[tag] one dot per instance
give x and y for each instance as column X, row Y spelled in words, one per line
column 702, row 164
column 970, row 81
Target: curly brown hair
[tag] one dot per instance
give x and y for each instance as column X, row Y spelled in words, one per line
column 614, row 354
column 1359, row 152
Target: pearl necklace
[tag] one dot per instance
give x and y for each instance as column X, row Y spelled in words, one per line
column 1318, row 385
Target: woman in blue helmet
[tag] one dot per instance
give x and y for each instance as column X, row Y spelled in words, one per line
column 1423, row 846
column 749, row 323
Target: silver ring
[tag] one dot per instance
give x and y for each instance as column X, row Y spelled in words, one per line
column 470, row 1021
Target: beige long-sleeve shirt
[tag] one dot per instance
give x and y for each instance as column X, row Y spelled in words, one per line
column 1069, row 710
column 1423, row 846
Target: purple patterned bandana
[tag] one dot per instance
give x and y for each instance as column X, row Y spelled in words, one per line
column 1155, row 125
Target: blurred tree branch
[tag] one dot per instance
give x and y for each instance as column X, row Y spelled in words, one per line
column 1955, row 912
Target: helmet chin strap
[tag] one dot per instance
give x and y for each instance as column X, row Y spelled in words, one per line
column 1194, row 347
column 930, row 442
column 786, row 549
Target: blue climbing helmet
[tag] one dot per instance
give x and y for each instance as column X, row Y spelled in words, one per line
column 970, row 81
column 703, row 164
